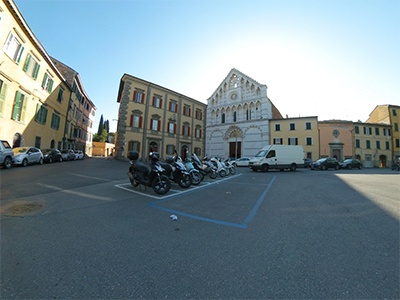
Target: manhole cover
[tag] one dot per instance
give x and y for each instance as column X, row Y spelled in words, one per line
column 21, row 208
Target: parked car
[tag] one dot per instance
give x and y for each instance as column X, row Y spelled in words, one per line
column 51, row 155
column 325, row 163
column 27, row 155
column 78, row 154
column 307, row 162
column 242, row 162
column 68, row 154
column 350, row 164
column 6, row 154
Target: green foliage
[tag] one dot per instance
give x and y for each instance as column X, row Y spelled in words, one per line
column 101, row 137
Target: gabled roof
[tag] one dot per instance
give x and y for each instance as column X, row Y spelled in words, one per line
column 238, row 74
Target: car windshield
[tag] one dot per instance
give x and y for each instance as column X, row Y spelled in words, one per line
column 321, row 160
column 20, row 150
column 348, row 160
column 261, row 153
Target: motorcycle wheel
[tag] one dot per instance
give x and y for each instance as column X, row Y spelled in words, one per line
column 232, row 171
column 185, row 182
column 134, row 183
column 213, row 175
column 222, row 173
column 196, row 178
column 161, row 185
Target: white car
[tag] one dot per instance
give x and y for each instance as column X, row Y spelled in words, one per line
column 242, row 162
column 27, row 155
column 78, row 154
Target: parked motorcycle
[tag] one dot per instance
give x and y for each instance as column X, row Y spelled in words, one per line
column 205, row 168
column 230, row 166
column 175, row 170
column 194, row 173
column 150, row 175
column 221, row 169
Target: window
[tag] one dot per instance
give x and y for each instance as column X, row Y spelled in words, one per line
column 397, row 143
column 234, row 116
column 173, row 106
column 378, row 145
column 271, row 154
column 367, row 130
column 309, row 141
column 41, row 114
column 47, row 83
column 396, row 126
column 186, row 110
column 13, row 48
column 357, row 130
column 38, row 140
column 170, row 149
column 394, row 112
column 357, row 143
column 138, row 97
column 60, row 95
column 157, row 102
column 199, row 114
column 368, row 144
column 55, row 121
column 277, row 127
column 171, row 127
column 31, row 66
column 19, row 108
column 223, row 118
column 292, row 141
column 376, row 131
column 136, row 121
column 386, row 131
column 134, row 146
column 185, row 130
column 198, row 133
column 3, row 91
column 155, row 124
column 197, row 151
column 292, row 126
column 308, row 126
column 387, row 145
column 278, row 141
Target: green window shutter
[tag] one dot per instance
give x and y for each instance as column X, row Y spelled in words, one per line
column 2, row 96
column 16, row 106
column 36, row 72
column 44, row 80
column 28, row 60
column 51, row 85
column 23, row 111
column 21, row 50
column 37, row 113
column 45, row 116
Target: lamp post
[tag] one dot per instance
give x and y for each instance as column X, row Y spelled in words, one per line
column 235, row 135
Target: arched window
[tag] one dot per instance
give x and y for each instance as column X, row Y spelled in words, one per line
column 234, row 116
column 153, row 147
column 223, row 118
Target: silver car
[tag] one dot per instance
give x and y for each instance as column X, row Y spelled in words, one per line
column 68, row 154
column 27, row 155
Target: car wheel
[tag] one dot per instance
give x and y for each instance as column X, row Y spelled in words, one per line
column 7, row 162
column 24, row 162
column 336, row 167
column 50, row 159
column 349, row 167
column 41, row 161
column 292, row 167
column 60, row 159
column 323, row 167
column 264, row 168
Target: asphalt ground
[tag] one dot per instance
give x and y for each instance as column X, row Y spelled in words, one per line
column 275, row 235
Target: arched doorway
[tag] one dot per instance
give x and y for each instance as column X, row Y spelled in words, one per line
column 153, row 147
column 17, row 141
column 382, row 161
column 52, row 144
column 184, row 152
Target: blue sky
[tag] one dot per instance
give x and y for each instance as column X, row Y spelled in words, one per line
column 332, row 59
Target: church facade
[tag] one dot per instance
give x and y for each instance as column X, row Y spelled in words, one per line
column 238, row 115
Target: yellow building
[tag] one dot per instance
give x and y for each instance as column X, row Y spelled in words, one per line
column 102, row 149
column 297, row 131
column 373, row 144
column 152, row 116
column 390, row 115
column 33, row 105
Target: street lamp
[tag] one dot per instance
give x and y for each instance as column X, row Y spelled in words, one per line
column 235, row 135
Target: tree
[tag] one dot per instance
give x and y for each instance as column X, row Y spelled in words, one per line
column 101, row 126
column 103, row 137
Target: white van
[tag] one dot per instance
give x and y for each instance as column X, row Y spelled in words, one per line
column 278, row 157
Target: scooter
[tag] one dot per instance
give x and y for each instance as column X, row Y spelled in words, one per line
column 194, row 173
column 230, row 166
column 205, row 168
column 221, row 169
column 175, row 170
column 150, row 175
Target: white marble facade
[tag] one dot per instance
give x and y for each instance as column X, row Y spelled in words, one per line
column 238, row 114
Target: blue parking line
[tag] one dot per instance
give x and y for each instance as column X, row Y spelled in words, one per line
column 246, row 222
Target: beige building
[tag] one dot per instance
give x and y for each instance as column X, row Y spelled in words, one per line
column 373, row 144
column 102, row 149
column 297, row 131
column 336, row 138
column 389, row 115
column 152, row 116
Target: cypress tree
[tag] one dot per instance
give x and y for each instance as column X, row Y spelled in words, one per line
column 101, row 126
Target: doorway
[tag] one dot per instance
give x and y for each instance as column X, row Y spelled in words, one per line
column 235, row 151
